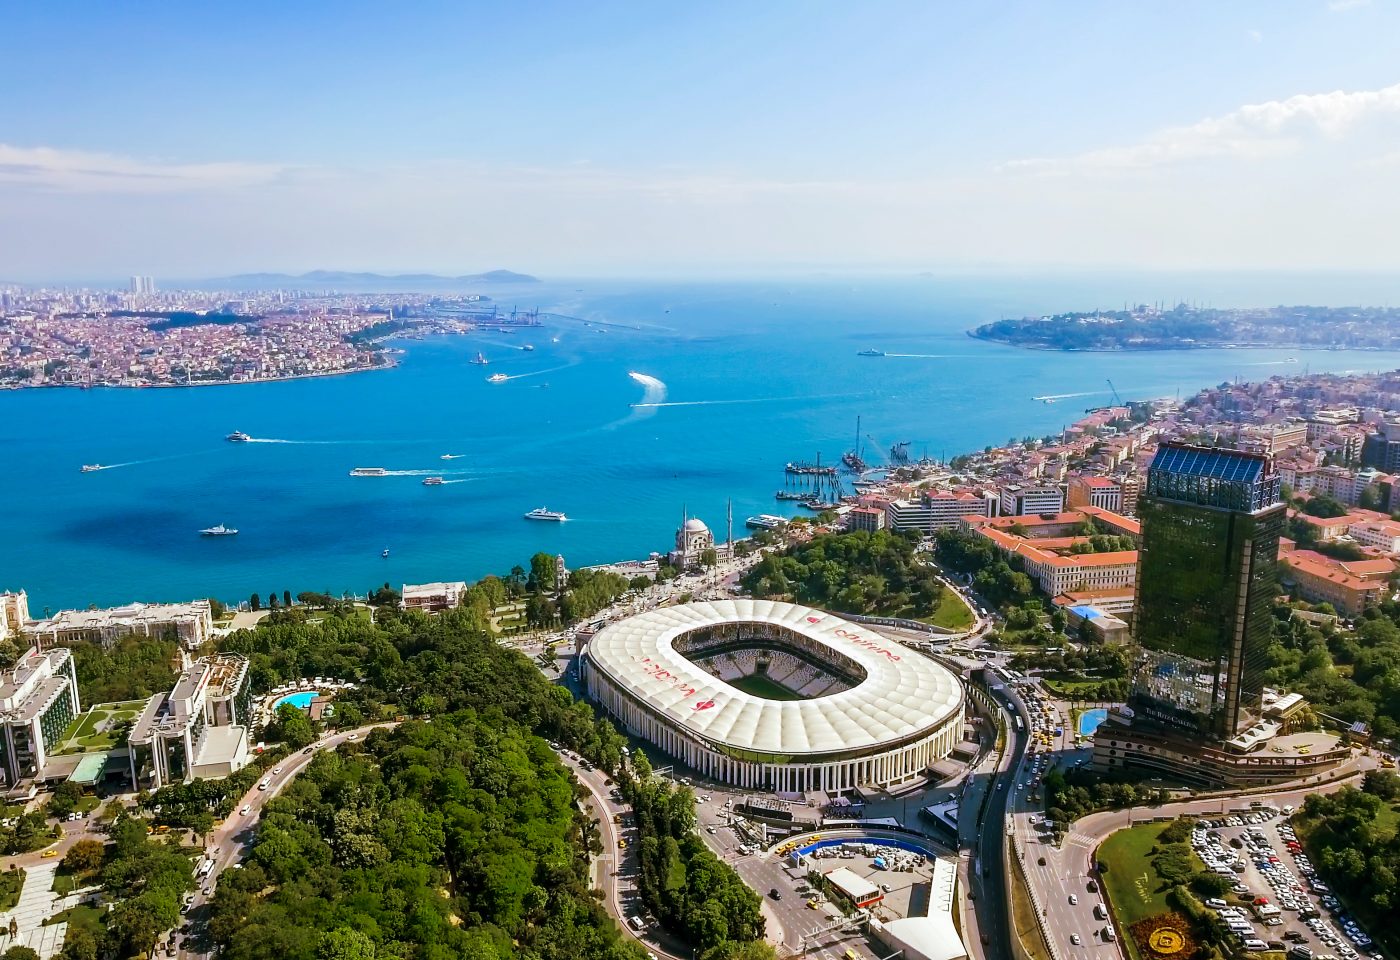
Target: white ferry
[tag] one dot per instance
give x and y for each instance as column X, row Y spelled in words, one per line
column 540, row 513
column 238, row 436
column 765, row 521
column 433, row 481
column 369, row 472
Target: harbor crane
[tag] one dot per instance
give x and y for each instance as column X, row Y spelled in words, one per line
column 1116, row 398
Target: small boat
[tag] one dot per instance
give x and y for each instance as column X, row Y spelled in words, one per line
column 479, row 359
column 553, row 339
column 433, row 481
column 91, row 467
column 540, row 513
column 451, row 456
column 238, row 436
column 871, row 353
column 791, row 495
column 497, row 378
column 384, row 552
column 219, row 531
column 528, row 347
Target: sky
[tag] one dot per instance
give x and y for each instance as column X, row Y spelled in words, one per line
column 643, row 139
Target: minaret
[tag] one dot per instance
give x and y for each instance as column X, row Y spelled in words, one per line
column 729, row 525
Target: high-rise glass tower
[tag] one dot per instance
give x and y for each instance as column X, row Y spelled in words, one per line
column 1207, row 579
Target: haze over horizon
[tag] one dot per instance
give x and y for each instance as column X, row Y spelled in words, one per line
column 723, row 140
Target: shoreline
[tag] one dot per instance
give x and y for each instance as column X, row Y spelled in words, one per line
column 388, row 364
column 1160, row 348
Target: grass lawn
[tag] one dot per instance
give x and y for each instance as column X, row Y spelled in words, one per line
column 80, row 916
column 11, row 882
column 761, row 686
column 952, row 612
column 87, row 804
column 1135, row 889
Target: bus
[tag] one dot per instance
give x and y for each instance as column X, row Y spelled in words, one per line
column 1020, row 724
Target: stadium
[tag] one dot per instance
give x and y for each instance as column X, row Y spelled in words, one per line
column 774, row 696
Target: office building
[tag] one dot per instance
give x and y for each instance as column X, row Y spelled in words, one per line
column 1211, row 521
column 938, row 511
column 869, row 519
column 1091, row 491
column 199, row 729
column 143, row 285
column 1018, row 501
column 38, row 700
column 1381, row 449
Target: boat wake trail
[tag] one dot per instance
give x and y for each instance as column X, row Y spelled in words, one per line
column 424, row 473
column 305, row 442
column 1067, row 396
column 1269, row 363
column 707, row 403
column 654, row 390
column 932, row 356
column 536, row 373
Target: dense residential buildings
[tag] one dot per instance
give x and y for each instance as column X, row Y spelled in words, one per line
column 38, row 700
column 199, row 729
column 191, row 623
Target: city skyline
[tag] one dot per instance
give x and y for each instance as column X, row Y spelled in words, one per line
column 446, row 140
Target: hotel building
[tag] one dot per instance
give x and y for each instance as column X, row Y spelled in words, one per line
column 199, row 729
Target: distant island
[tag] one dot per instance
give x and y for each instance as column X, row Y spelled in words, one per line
column 364, row 282
column 1186, row 327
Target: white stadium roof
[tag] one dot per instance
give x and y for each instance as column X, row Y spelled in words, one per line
column 903, row 695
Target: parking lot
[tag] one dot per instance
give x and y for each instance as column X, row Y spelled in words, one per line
column 1277, row 902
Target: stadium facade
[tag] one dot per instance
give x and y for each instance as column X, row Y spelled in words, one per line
column 773, row 696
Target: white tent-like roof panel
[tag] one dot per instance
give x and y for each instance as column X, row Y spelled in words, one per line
column 904, row 693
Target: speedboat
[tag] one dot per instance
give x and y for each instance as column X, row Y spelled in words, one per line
column 238, row 436
column 384, row 552
column 219, row 531
column 497, row 378
column 91, row 467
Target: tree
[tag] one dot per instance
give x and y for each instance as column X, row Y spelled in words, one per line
column 286, row 598
column 217, row 608
column 64, row 799
column 542, row 572
column 708, row 557
column 85, row 856
column 20, row 952
column 1058, row 620
column 292, row 727
column 255, row 602
column 272, row 600
column 1324, row 506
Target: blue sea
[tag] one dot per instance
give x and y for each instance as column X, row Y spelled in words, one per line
column 744, row 377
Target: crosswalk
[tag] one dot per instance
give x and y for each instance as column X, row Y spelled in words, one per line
column 1081, row 840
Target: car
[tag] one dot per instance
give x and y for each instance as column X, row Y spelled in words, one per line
column 245, row 810
column 48, row 854
column 709, row 829
column 207, row 891
column 775, row 893
column 356, row 736
column 1073, row 899
column 1074, row 939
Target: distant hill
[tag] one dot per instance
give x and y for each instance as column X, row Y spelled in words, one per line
column 370, row 282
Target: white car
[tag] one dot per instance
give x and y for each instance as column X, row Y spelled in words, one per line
column 1074, row 939
column 1073, row 900
column 244, row 812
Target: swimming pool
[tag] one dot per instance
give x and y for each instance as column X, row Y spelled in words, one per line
column 1089, row 721
column 302, row 701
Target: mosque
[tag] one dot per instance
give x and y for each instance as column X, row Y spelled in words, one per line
column 693, row 538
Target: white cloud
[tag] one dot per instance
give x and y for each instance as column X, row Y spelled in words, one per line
column 1254, row 36
column 80, row 171
column 1253, row 131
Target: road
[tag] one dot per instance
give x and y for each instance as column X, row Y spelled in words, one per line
column 230, row 841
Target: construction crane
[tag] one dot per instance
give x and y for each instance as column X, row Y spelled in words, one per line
column 1116, row 399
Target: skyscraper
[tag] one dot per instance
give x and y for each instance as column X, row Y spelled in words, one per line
column 1207, row 579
